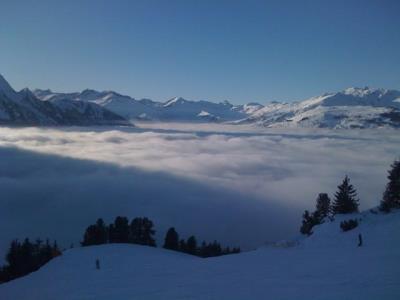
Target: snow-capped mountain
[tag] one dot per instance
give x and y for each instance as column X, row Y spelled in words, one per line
column 24, row 108
column 351, row 108
column 175, row 109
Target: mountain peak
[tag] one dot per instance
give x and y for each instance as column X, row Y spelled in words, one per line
column 360, row 92
column 5, row 87
column 174, row 101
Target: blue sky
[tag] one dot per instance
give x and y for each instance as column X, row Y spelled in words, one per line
column 217, row 50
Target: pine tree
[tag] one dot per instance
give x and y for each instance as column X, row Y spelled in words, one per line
column 142, row 232
column 25, row 258
column 182, row 246
column 148, row 233
column 323, row 207
column 136, row 231
column 391, row 196
column 95, row 234
column 345, row 198
column 203, row 252
column 102, row 232
column 111, row 234
column 171, row 240
column 121, row 230
column 191, row 245
column 307, row 223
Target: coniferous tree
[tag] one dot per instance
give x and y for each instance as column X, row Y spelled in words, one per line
column 322, row 210
column 203, row 252
column 95, row 234
column 24, row 258
column 182, row 246
column 323, row 207
column 307, row 223
column 345, row 198
column 89, row 238
column 391, row 196
column 148, row 233
column 142, row 232
column 111, row 234
column 191, row 245
column 171, row 239
column 120, row 230
column 136, row 231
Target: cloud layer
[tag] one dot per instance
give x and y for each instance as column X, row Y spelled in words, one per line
column 216, row 182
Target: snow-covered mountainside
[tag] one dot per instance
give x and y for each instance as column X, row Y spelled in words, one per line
column 175, row 109
column 24, row 108
column 351, row 108
column 327, row 265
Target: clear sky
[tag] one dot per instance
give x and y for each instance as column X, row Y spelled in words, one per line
column 217, row 50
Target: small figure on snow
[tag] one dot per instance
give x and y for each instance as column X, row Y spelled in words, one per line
column 97, row 264
column 360, row 240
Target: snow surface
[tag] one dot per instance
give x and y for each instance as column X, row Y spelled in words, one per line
column 327, row 265
column 23, row 108
column 351, row 108
column 175, row 109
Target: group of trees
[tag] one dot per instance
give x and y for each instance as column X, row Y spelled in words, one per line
column 138, row 231
column 346, row 202
column 26, row 257
column 172, row 242
column 141, row 231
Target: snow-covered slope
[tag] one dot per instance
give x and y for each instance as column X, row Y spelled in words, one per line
column 327, row 265
column 175, row 109
column 24, row 108
column 351, row 108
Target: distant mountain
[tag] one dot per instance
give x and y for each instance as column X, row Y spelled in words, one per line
column 175, row 109
column 25, row 109
column 351, row 108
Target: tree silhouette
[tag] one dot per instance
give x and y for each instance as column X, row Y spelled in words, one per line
column 171, row 239
column 345, row 198
column 191, row 245
column 391, row 196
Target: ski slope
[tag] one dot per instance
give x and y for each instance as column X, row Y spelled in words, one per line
column 327, row 265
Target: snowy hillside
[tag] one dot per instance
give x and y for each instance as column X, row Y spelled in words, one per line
column 327, row 265
column 351, row 108
column 24, row 108
column 175, row 109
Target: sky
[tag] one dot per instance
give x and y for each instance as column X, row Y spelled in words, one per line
column 239, row 51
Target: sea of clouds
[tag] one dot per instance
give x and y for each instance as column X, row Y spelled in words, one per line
column 240, row 185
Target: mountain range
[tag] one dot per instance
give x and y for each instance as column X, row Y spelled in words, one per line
column 351, row 108
column 23, row 108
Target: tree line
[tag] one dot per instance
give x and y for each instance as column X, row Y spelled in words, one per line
column 172, row 242
column 26, row 257
column 141, row 231
column 347, row 202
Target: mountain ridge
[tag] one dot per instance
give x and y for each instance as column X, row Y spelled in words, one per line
column 23, row 108
column 353, row 107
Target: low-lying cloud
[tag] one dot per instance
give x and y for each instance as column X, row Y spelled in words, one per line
column 240, row 186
